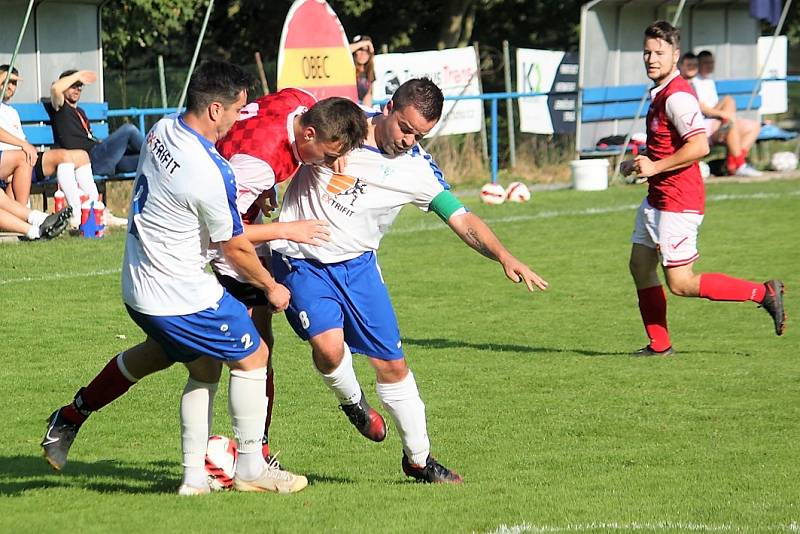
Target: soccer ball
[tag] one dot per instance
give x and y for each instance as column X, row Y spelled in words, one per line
column 493, row 194
column 784, row 161
column 220, row 462
column 518, row 192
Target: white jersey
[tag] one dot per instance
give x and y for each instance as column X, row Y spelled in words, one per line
column 183, row 199
column 359, row 204
column 706, row 90
column 10, row 122
column 253, row 177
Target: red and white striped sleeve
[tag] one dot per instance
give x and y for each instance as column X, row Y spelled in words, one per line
column 684, row 114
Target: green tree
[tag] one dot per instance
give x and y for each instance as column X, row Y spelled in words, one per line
column 135, row 32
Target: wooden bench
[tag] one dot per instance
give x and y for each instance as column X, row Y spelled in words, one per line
column 621, row 102
column 39, row 133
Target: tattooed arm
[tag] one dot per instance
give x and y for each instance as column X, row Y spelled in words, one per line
column 475, row 233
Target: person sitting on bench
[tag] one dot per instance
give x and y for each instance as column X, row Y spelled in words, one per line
column 71, row 167
column 118, row 153
column 722, row 125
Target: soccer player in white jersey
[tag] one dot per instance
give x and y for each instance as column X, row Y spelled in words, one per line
column 184, row 199
column 339, row 301
column 319, row 135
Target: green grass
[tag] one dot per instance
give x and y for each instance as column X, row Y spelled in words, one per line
column 532, row 398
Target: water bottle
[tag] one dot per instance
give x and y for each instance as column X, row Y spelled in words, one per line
column 59, row 201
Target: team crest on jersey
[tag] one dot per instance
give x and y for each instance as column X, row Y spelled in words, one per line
column 654, row 124
column 342, row 185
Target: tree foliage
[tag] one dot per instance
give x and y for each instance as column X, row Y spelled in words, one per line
column 136, row 31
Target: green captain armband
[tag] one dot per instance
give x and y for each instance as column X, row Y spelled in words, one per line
column 446, row 204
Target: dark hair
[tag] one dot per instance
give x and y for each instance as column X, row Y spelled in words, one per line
column 216, row 81
column 687, row 55
column 421, row 93
column 705, row 54
column 661, row 29
column 4, row 68
column 66, row 73
column 337, row 120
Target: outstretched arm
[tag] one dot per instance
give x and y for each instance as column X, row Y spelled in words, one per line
column 311, row 232
column 475, row 233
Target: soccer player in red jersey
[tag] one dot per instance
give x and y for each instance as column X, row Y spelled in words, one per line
column 274, row 135
column 669, row 217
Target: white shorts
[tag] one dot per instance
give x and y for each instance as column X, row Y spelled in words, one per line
column 673, row 234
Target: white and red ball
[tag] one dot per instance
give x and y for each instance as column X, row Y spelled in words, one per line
column 784, row 161
column 492, row 193
column 220, row 462
column 518, row 192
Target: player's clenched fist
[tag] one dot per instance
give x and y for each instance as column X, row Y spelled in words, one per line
column 278, row 297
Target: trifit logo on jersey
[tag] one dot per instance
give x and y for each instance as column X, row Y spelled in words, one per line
column 160, row 152
column 342, row 185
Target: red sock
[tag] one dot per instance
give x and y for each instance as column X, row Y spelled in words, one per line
column 271, row 398
column 107, row 386
column 731, row 164
column 716, row 286
column 741, row 158
column 653, row 307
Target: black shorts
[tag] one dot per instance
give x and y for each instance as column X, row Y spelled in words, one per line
column 242, row 291
column 38, row 170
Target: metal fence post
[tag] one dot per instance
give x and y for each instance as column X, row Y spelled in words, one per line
column 512, row 145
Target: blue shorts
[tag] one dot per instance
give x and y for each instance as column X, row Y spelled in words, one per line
column 223, row 331
column 349, row 295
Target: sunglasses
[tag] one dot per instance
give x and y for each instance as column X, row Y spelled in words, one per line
column 78, row 86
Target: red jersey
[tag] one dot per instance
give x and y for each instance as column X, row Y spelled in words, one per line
column 261, row 145
column 674, row 117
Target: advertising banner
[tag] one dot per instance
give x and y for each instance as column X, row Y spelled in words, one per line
column 454, row 70
column 547, row 71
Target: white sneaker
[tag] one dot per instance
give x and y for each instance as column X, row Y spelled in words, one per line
column 188, row 491
column 113, row 220
column 747, row 171
column 273, row 479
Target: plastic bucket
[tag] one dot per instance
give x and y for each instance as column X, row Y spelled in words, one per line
column 589, row 174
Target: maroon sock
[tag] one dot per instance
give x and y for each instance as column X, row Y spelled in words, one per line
column 107, row 386
column 653, row 307
column 716, row 286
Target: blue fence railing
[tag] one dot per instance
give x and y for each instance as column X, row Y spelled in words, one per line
column 493, row 98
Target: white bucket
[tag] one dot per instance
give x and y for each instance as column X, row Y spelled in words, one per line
column 589, row 174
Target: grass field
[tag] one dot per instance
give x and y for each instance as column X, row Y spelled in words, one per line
column 532, row 398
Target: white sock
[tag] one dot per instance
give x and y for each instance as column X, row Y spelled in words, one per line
column 33, row 232
column 248, row 408
column 194, row 430
column 65, row 174
column 404, row 404
column 85, row 180
column 36, row 218
column 342, row 381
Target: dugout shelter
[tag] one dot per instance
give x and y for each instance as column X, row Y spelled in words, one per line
column 60, row 35
column 612, row 77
